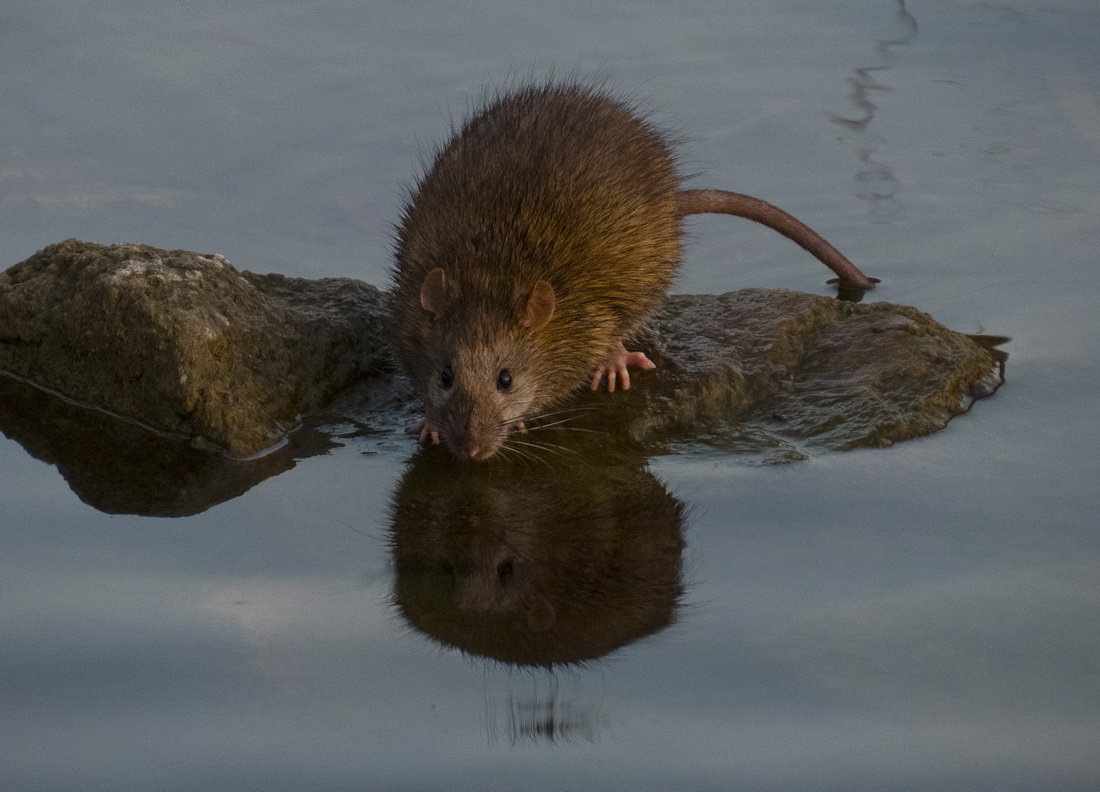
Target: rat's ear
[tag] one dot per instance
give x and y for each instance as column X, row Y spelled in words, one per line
column 433, row 292
column 539, row 307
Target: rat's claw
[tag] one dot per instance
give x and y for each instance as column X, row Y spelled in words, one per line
column 615, row 368
column 640, row 360
column 424, row 430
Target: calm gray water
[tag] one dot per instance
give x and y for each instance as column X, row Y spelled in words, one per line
column 923, row 617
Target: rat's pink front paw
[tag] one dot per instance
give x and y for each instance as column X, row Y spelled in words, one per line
column 614, row 369
column 425, row 430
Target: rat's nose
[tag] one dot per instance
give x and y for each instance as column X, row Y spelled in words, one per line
column 472, row 450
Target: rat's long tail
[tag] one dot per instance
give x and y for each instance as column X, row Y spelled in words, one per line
column 724, row 202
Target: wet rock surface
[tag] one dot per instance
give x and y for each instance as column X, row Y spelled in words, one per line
column 781, row 370
column 187, row 345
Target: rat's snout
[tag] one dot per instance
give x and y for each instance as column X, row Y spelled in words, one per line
column 473, row 448
column 473, row 435
column 478, row 443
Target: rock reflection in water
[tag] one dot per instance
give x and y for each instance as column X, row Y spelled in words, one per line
column 535, row 565
column 119, row 467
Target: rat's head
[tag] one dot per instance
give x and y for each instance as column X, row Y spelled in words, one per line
column 482, row 368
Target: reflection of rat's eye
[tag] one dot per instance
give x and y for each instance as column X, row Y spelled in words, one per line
column 446, row 377
column 504, row 380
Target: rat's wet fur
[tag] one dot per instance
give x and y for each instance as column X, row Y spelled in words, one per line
column 546, row 231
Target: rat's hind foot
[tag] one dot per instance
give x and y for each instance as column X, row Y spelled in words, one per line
column 423, row 431
column 614, row 368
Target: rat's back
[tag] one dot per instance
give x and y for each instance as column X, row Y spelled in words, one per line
column 555, row 182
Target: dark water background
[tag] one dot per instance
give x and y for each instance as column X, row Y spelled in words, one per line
column 924, row 617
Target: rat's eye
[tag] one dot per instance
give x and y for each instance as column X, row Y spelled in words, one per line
column 446, row 377
column 504, row 380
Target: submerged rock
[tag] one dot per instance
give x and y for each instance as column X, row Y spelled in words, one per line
column 187, row 345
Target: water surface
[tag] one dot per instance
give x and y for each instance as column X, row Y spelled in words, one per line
column 911, row 618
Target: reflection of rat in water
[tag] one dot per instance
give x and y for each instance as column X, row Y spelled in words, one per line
column 536, row 565
column 546, row 232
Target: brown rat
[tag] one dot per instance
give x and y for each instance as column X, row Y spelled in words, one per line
column 546, row 231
